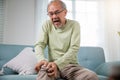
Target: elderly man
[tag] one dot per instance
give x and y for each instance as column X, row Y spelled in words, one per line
column 63, row 39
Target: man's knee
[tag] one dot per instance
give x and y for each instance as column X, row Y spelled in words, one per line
column 92, row 75
column 41, row 75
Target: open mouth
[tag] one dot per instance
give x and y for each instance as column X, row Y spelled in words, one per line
column 55, row 21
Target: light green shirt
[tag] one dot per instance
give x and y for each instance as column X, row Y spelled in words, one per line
column 63, row 43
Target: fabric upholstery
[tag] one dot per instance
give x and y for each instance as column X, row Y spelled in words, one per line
column 24, row 63
column 105, row 68
column 90, row 57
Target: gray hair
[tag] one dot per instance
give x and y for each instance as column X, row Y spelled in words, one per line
column 61, row 3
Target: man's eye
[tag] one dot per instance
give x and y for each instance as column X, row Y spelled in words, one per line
column 56, row 12
column 50, row 13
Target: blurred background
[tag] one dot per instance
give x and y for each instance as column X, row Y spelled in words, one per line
column 21, row 20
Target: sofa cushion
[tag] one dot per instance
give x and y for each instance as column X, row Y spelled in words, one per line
column 18, row 77
column 24, row 62
column 7, row 71
column 105, row 68
column 102, row 77
column 91, row 57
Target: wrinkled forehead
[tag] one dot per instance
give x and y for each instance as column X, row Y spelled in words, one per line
column 54, row 6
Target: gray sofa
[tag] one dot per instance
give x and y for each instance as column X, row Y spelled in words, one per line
column 90, row 57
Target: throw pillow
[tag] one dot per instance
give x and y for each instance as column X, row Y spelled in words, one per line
column 24, row 62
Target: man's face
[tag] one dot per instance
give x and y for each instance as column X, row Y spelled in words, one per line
column 57, row 14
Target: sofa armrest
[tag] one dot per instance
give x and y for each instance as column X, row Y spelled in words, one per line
column 105, row 68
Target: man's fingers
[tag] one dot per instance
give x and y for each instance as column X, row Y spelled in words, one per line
column 50, row 70
column 51, row 73
column 37, row 69
column 40, row 64
column 49, row 65
column 45, row 64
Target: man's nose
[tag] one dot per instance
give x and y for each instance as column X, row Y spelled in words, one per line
column 54, row 16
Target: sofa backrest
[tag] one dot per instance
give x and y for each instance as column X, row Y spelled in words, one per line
column 91, row 57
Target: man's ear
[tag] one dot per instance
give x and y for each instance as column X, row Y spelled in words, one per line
column 65, row 12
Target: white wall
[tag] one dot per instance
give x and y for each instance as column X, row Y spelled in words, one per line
column 19, row 22
column 112, row 26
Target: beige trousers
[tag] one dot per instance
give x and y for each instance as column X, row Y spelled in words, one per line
column 70, row 72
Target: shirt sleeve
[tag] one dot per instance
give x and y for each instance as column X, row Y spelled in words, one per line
column 71, row 55
column 41, row 44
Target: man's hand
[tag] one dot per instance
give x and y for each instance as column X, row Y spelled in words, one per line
column 40, row 64
column 52, row 69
